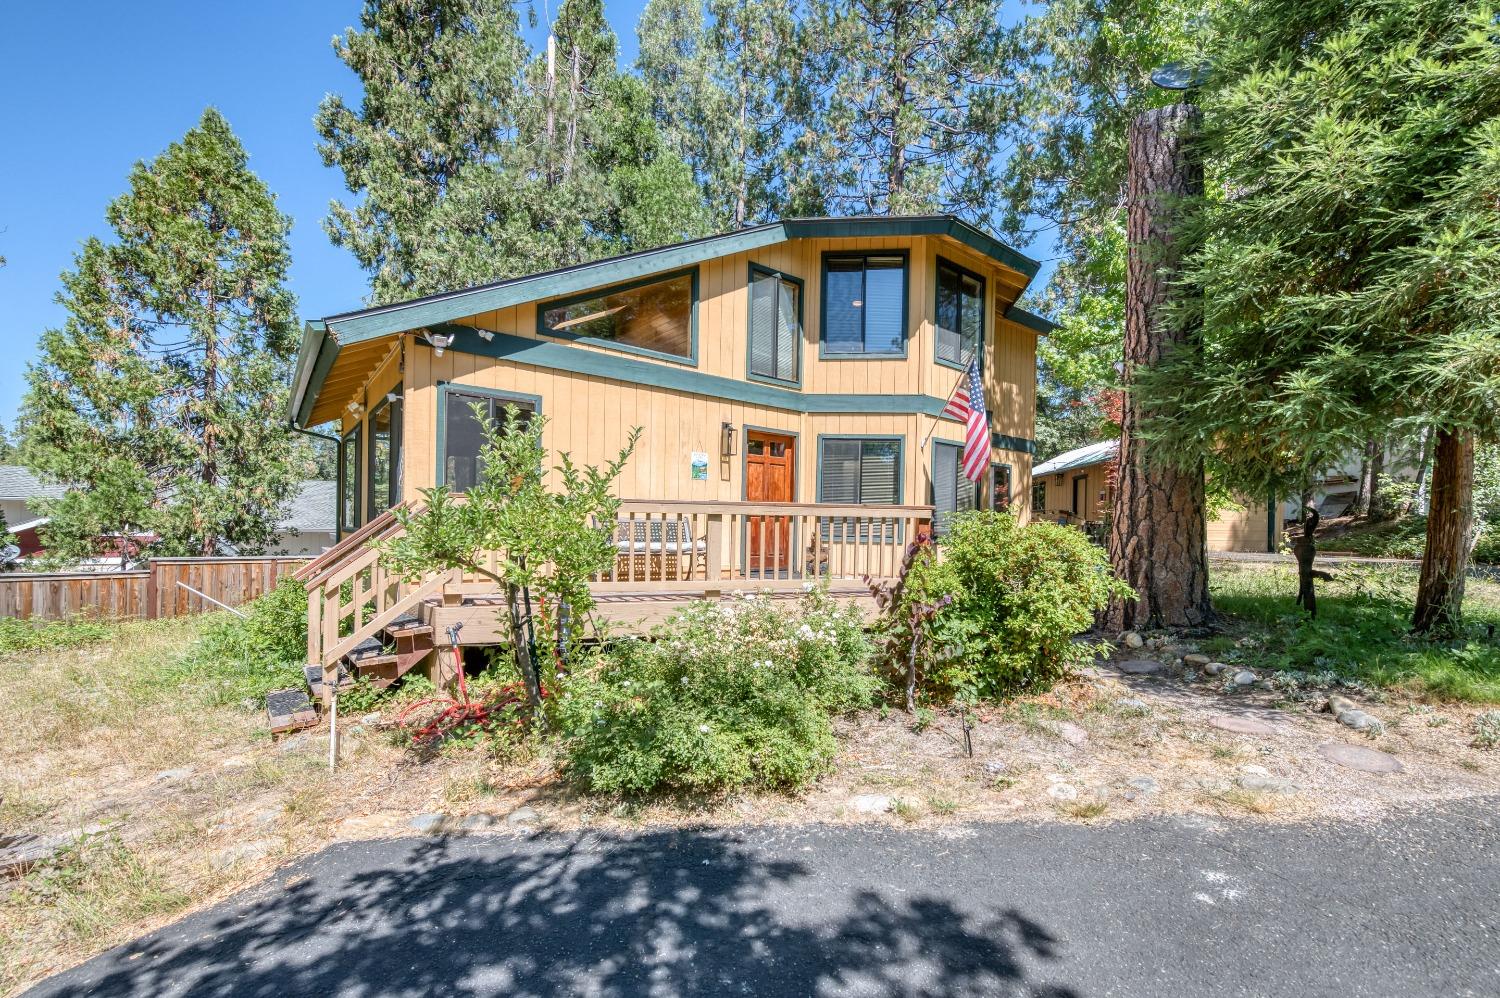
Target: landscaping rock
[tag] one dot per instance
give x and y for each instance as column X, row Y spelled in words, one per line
column 870, row 803
column 1254, row 770
column 1240, row 725
column 1067, row 731
column 1265, row 784
column 430, row 823
column 478, row 823
column 1214, row 668
column 1062, row 791
column 172, row 775
column 1337, row 705
column 1366, row 760
column 1140, row 667
column 266, row 818
column 996, row 768
column 243, row 852
column 19, row 853
column 1244, row 678
column 522, row 816
column 1143, row 786
column 1130, row 639
column 1195, row 661
column 1360, row 721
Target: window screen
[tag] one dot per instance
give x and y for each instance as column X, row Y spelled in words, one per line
column 960, row 314
column 349, row 482
column 864, row 305
column 463, row 433
column 656, row 316
column 775, row 325
column 951, row 491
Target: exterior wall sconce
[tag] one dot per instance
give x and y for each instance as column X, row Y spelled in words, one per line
column 486, row 335
column 438, row 341
column 726, row 440
column 356, row 410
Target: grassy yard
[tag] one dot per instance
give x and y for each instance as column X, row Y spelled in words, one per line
column 1361, row 632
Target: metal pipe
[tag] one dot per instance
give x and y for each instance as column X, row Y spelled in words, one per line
column 202, row 595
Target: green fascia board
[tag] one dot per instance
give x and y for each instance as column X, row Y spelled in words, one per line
column 351, row 327
column 1003, row 441
column 312, row 339
column 317, row 365
column 1030, row 320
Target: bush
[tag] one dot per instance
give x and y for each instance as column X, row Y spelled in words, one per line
column 1016, row 596
column 1406, row 537
column 726, row 695
column 238, row 657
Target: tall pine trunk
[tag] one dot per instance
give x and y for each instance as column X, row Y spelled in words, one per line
column 1158, row 531
column 1450, row 535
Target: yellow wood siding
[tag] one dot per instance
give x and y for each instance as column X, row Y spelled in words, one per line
column 589, row 416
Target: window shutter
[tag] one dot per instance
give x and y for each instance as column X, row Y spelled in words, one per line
column 763, row 325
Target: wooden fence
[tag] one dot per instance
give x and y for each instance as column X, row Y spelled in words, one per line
column 149, row 593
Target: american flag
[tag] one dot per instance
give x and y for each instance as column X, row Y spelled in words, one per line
column 966, row 405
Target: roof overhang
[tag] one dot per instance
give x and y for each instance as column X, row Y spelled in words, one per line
column 323, row 340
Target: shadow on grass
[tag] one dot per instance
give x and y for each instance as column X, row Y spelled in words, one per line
column 1362, row 631
column 671, row 913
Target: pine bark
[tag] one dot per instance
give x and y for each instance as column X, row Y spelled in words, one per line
column 1158, row 531
column 1450, row 535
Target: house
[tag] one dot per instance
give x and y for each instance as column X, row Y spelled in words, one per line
column 19, row 492
column 310, row 524
column 798, row 362
column 1077, row 487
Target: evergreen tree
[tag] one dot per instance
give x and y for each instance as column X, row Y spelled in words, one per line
column 160, row 399
column 7, row 446
column 1350, row 260
column 906, row 103
column 478, row 159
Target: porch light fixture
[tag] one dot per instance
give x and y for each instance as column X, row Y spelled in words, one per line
column 486, row 335
column 726, row 440
column 356, row 410
column 392, row 397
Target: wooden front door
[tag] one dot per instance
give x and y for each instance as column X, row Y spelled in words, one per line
column 770, row 463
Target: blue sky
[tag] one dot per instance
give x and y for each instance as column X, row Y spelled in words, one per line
column 92, row 87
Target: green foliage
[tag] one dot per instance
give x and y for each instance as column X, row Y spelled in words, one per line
column 1017, row 597
column 726, row 695
column 238, row 657
column 1487, row 730
column 161, row 398
column 1361, row 633
column 24, row 635
column 469, row 163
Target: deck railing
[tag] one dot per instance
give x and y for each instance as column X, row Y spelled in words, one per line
column 695, row 548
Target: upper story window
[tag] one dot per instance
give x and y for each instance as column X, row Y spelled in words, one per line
column 960, row 314
column 654, row 316
column 463, row 433
column 864, row 305
column 775, row 325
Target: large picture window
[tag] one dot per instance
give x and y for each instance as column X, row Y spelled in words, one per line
column 384, row 474
column 775, row 325
column 960, row 314
column 653, row 317
column 463, row 433
column 854, row 470
column 349, row 482
column 864, row 305
column 951, row 489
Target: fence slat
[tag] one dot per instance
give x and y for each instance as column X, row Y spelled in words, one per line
column 143, row 593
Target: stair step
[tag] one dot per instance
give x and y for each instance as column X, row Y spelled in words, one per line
column 289, row 710
column 407, row 627
column 376, row 661
column 313, row 674
column 367, row 648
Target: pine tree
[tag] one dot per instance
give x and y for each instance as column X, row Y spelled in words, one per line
column 906, row 102
column 1350, row 259
column 160, row 398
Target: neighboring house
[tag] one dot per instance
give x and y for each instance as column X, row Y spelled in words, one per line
column 797, row 361
column 310, row 524
column 1077, row 487
column 19, row 492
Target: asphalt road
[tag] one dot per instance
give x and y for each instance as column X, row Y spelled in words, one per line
column 1407, row 906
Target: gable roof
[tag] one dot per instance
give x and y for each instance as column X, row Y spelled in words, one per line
column 313, row 508
column 323, row 339
column 16, row 482
column 1082, row 457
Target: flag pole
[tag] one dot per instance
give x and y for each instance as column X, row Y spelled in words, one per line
column 939, row 417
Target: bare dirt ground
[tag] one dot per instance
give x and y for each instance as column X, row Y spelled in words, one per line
column 183, row 806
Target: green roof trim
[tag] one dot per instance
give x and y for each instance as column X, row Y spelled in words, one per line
column 351, row 327
column 314, row 361
column 1030, row 320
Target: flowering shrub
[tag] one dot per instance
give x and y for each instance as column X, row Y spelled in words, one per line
column 1010, row 598
column 738, row 693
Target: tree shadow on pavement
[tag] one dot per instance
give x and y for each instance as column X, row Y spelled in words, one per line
column 668, row 913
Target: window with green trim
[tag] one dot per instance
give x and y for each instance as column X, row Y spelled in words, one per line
column 775, row 325
column 1038, row 498
column 349, row 481
column 463, row 432
column 960, row 314
column 853, row 470
column 864, row 305
column 385, row 454
column 655, row 316
column 951, row 489
column 1000, row 486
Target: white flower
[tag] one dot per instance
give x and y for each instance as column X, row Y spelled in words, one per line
column 807, row 632
column 703, row 728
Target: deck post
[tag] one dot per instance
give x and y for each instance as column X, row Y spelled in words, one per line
column 453, row 594
column 714, row 573
column 314, row 629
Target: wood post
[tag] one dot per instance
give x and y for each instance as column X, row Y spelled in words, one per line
column 1158, row 530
